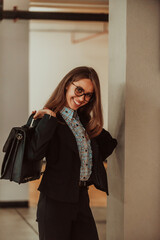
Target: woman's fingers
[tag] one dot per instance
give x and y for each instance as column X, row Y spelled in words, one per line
column 38, row 114
column 41, row 113
column 34, row 112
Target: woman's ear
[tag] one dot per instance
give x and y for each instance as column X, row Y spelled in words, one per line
column 66, row 88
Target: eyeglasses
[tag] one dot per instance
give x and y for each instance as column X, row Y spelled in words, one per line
column 79, row 91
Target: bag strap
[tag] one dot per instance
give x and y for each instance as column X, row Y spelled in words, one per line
column 30, row 120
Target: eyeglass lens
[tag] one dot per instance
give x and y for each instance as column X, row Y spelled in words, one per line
column 79, row 91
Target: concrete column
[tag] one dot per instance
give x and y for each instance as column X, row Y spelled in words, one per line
column 133, row 210
column 13, row 91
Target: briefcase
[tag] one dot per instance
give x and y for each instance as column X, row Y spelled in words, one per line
column 15, row 166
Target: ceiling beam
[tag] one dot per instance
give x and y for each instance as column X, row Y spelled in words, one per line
column 28, row 15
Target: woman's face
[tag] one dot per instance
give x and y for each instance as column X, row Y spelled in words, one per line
column 84, row 86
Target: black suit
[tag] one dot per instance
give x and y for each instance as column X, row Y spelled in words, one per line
column 54, row 140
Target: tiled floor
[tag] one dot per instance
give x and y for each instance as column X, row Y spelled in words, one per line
column 20, row 224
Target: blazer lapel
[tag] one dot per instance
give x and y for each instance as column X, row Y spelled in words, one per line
column 68, row 134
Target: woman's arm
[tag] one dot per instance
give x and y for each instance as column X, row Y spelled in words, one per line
column 106, row 143
column 42, row 134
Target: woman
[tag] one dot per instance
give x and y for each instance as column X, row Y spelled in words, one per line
column 69, row 134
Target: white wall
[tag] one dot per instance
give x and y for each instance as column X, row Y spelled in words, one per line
column 116, row 118
column 52, row 55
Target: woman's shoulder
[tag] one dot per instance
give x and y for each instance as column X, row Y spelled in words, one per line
column 106, row 137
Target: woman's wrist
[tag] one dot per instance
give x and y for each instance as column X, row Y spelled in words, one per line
column 52, row 113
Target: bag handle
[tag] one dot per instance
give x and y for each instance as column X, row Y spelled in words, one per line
column 30, row 121
column 31, row 125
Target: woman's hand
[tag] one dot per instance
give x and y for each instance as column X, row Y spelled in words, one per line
column 42, row 112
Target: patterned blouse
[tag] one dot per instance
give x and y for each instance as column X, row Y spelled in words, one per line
column 83, row 142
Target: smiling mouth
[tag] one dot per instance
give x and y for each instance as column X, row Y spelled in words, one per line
column 77, row 103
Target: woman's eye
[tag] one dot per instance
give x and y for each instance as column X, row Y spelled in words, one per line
column 79, row 90
column 89, row 95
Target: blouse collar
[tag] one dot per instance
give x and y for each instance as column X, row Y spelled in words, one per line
column 69, row 113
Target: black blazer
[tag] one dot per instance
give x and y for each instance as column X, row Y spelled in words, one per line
column 54, row 140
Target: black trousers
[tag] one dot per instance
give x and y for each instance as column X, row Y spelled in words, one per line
column 66, row 221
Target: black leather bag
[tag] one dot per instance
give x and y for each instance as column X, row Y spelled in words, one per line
column 15, row 166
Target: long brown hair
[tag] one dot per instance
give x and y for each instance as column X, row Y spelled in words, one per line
column 91, row 113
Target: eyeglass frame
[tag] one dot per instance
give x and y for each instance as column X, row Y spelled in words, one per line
column 83, row 94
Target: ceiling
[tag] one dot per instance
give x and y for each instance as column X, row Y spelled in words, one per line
column 83, row 6
column 99, row 2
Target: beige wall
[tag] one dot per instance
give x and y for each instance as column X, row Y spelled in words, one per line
column 133, row 205
column 142, row 151
column 13, row 88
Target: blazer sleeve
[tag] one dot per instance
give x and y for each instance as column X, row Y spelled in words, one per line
column 36, row 148
column 106, row 143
